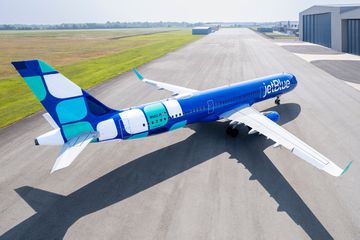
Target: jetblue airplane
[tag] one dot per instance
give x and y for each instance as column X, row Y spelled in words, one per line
column 78, row 118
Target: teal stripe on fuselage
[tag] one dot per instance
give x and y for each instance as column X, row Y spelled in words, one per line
column 178, row 125
column 156, row 115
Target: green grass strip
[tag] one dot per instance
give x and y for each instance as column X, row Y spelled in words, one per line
column 17, row 101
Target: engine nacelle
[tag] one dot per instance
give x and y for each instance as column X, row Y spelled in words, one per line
column 272, row 115
column 50, row 138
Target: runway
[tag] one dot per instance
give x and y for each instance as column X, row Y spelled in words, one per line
column 196, row 182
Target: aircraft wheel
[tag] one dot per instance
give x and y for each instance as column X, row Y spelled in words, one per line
column 277, row 101
column 234, row 132
column 229, row 130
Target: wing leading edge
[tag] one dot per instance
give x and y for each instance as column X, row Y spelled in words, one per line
column 260, row 123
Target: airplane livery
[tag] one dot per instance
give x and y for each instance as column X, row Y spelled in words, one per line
column 78, row 118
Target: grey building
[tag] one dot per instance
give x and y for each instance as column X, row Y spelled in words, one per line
column 333, row 26
column 201, row 30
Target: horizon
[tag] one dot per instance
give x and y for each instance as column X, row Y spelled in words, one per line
column 42, row 12
column 219, row 22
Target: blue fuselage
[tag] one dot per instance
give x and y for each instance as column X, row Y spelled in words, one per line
column 203, row 106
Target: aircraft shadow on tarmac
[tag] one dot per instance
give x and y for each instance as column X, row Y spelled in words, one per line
column 56, row 213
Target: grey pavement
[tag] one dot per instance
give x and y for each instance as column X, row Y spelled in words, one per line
column 344, row 70
column 310, row 49
column 196, row 182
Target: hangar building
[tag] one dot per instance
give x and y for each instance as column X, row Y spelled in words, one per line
column 333, row 26
column 201, row 30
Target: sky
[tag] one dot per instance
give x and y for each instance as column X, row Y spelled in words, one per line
column 80, row 11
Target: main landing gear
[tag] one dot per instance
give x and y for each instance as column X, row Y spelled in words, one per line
column 232, row 131
column 277, row 100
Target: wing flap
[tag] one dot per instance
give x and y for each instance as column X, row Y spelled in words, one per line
column 260, row 123
column 71, row 149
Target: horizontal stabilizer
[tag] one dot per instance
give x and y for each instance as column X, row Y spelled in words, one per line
column 72, row 149
column 36, row 198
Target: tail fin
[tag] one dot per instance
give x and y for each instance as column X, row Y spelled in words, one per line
column 73, row 109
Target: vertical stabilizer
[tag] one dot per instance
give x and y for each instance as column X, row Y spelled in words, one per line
column 71, row 108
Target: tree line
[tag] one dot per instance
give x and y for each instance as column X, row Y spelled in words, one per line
column 106, row 25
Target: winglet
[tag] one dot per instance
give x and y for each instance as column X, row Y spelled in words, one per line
column 138, row 74
column 346, row 168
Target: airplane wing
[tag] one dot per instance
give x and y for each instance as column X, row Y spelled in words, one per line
column 71, row 149
column 260, row 123
column 176, row 90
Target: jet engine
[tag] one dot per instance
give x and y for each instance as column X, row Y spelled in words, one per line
column 272, row 115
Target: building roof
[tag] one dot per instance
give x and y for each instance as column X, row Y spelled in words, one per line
column 339, row 5
column 341, row 8
column 201, row 27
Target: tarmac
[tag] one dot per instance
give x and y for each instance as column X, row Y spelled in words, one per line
column 343, row 66
column 344, row 70
column 195, row 182
column 308, row 49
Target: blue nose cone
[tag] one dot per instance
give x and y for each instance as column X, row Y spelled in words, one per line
column 293, row 80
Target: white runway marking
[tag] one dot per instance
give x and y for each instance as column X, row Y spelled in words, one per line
column 354, row 85
column 296, row 44
column 337, row 57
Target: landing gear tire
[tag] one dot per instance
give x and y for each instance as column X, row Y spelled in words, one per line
column 277, row 100
column 233, row 132
column 228, row 130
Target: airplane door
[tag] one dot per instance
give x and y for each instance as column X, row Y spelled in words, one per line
column 134, row 121
column 210, row 106
column 121, row 127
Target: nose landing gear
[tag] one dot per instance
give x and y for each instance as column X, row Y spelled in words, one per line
column 277, row 100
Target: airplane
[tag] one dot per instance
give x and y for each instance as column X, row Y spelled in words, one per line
column 78, row 118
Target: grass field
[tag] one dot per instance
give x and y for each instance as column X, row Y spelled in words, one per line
column 275, row 35
column 87, row 57
column 278, row 36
